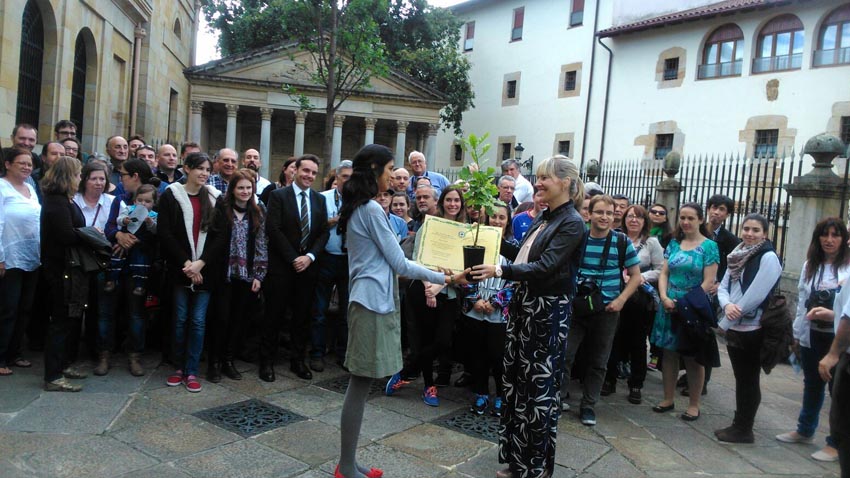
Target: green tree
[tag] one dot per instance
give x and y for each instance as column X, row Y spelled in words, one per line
column 405, row 34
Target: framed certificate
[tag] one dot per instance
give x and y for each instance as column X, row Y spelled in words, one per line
column 439, row 243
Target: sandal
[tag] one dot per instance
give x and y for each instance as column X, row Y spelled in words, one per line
column 21, row 362
column 5, row 371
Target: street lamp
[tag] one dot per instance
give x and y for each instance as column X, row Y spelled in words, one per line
column 518, row 150
column 528, row 164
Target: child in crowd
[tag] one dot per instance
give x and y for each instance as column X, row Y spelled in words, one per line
column 139, row 257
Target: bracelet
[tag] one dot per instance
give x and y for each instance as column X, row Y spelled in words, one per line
column 451, row 279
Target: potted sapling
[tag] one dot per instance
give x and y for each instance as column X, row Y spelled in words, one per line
column 481, row 192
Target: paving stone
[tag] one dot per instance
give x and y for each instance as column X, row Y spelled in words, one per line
column 315, row 474
column 245, row 458
column 92, row 457
column 410, row 404
column 118, row 381
column 18, row 391
column 649, row 454
column 437, row 445
column 643, row 416
column 180, row 399
column 307, row 401
column 706, row 454
column 377, row 422
column 8, row 470
column 614, row 465
column 485, row 463
column 395, row 463
column 779, row 461
column 165, row 470
column 156, row 378
column 175, row 437
column 141, row 410
column 576, row 453
column 569, row 426
column 69, row 413
column 612, row 424
column 322, row 445
column 251, row 385
column 17, row 443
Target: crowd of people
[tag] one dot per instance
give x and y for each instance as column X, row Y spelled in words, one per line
column 589, row 288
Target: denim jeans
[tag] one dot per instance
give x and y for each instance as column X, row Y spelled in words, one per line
column 333, row 270
column 109, row 305
column 190, row 313
column 17, row 291
column 597, row 333
column 813, row 385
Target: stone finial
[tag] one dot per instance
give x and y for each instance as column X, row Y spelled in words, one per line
column 592, row 170
column 300, row 117
column 672, row 162
column 823, row 148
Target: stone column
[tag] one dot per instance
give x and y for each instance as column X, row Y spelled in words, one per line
column 814, row 196
column 230, row 138
column 668, row 190
column 300, row 118
column 336, row 143
column 400, row 141
column 431, row 144
column 370, row 130
column 197, row 110
column 265, row 140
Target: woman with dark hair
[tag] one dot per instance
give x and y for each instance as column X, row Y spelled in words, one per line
column 824, row 273
column 133, row 173
column 287, row 174
column 60, row 218
column 639, row 310
column 242, row 224
column 753, row 269
column 544, row 268
column 375, row 259
column 19, row 255
column 400, row 206
column 189, row 244
column 690, row 261
column 659, row 225
column 92, row 196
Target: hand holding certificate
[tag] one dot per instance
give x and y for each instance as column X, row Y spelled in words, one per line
column 440, row 242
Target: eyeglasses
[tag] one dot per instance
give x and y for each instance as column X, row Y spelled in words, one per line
column 632, row 216
column 68, row 133
column 657, row 212
column 124, row 173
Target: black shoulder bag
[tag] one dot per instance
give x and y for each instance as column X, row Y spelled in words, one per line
column 588, row 299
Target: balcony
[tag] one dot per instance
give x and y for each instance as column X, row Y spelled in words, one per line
column 839, row 56
column 778, row 63
column 718, row 70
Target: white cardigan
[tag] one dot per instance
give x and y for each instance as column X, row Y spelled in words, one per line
column 801, row 325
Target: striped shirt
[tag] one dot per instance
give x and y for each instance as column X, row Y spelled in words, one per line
column 609, row 276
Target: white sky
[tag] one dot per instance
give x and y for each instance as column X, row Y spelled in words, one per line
column 207, row 40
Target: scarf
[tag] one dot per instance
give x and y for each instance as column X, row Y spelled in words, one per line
column 738, row 258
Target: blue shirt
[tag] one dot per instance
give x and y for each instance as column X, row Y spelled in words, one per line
column 398, row 225
column 333, row 200
column 609, row 276
column 438, row 182
column 520, row 225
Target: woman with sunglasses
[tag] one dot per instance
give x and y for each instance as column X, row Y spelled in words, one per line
column 659, row 226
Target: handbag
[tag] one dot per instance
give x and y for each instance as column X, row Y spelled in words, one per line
column 333, row 304
column 588, row 299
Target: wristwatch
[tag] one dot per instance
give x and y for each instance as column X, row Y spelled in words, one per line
column 498, row 271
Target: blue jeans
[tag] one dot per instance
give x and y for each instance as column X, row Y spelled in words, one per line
column 108, row 304
column 333, row 270
column 813, row 385
column 189, row 306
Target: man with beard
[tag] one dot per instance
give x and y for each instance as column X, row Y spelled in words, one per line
column 251, row 160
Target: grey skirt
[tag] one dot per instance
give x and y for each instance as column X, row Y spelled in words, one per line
column 374, row 340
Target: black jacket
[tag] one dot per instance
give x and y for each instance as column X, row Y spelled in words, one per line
column 553, row 258
column 283, row 226
column 726, row 242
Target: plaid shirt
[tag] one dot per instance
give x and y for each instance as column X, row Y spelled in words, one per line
column 218, row 182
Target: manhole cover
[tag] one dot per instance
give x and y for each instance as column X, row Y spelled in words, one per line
column 485, row 427
column 250, row 417
column 340, row 385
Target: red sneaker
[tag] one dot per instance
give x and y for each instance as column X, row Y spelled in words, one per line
column 174, row 379
column 192, row 384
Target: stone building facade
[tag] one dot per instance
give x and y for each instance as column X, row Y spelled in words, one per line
column 112, row 66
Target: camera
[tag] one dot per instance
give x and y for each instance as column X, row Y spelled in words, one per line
column 586, row 288
column 821, row 298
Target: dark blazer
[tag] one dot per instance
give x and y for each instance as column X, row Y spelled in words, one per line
column 726, row 242
column 283, row 227
column 553, row 259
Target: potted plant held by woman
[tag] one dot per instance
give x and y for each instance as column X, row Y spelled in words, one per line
column 481, row 192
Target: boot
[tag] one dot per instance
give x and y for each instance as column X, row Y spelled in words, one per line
column 102, row 364
column 136, row 369
column 230, row 370
column 214, row 371
column 739, row 432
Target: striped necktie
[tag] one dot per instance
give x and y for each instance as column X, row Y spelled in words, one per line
column 305, row 221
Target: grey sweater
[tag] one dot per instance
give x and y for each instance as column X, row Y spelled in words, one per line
column 375, row 258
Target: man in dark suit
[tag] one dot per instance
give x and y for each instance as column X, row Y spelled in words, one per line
column 297, row 230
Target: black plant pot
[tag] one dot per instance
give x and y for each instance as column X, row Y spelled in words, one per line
column 472, row 256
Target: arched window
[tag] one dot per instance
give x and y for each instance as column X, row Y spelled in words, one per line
column 78, row 85
column 29, row 69
column 723, row 53
column 780, row 45
column 834, row 38
column 178, row 30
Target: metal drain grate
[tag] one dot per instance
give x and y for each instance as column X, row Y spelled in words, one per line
column 484, row 427
column 249, row 418
column 340, row 385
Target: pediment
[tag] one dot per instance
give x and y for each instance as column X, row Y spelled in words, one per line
column 286, row 64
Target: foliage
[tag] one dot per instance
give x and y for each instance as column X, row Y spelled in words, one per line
column 409, row 35
column 482, row 192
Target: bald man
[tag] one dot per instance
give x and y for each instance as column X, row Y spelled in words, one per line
column 419, row 166
column 118, row 150
column 251, row 160
column 166, row 164
column 401, row 178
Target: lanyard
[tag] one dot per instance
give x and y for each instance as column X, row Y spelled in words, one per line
column 96, row 214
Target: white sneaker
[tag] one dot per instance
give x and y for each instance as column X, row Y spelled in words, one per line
column 821, row 455
column 565, row 407
column 794, row 437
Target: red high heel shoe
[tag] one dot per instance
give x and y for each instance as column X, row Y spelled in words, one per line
column 373, row 473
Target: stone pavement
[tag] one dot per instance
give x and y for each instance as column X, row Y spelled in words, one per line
column 123, row 426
